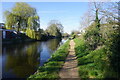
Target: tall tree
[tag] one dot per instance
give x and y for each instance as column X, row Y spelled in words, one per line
column 33, row 23
column 55, row 28
column 20, row 15
column 92, row 35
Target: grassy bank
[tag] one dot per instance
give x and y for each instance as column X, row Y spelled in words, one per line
column 51, row 68
column 93, row 63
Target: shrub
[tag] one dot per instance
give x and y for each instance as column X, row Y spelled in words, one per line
column 93, row 63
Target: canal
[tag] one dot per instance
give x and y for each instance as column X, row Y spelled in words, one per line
column 22, row 60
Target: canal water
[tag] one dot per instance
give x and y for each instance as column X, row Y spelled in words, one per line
column 22, row 60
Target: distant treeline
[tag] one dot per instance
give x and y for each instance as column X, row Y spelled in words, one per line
column 23, row 17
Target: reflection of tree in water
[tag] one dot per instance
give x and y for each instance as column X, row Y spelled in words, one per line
column 53, row 44
column 23, row 59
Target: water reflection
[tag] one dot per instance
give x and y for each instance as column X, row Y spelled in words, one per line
column 47, row 49
column 53, row 44
column 22, row 60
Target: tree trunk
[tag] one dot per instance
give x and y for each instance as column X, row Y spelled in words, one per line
column 97, row 19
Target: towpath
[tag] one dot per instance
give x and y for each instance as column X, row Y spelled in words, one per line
column 70, row 69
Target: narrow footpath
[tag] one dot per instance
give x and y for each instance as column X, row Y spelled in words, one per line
column 70, row 70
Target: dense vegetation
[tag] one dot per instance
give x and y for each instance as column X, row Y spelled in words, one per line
column 94, row 63
column 97, row 49
column 52, row 67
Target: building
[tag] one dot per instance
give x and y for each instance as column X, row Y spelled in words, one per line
column 2, row 25
column 8, row 34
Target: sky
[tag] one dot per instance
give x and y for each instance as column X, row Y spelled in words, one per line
column 68, row 13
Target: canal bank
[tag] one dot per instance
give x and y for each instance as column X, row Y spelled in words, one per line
column 25, row 39
column 50, row 70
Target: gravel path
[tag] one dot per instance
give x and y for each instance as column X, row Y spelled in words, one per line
column 70, row 70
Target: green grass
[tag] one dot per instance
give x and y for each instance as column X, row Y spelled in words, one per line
column 93, row 64
column 52, row 67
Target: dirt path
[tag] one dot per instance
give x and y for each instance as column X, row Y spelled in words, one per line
column 70, row 69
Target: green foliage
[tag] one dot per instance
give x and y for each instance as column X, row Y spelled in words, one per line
column 21, row 16
column 33, row 34
column 114, row 48
column 23, row 9
column 51, row 68
column 74, row 34
column 93, row 63
column 33, row 22
column 43, row 76
column 55, row 29
column 80, row 47
column 110, row 38
column 10, row 19
column 65, row 35
column 92, row 37
column 98, row 49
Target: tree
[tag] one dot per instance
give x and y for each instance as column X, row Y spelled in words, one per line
column 105, row 32
column 55, row 28
column 65, row 35
column 92, row 35
column 86, row 19
column 107, row 11
column 33, row 23
column 110, row 13
column 21, row 16
column 10, row 19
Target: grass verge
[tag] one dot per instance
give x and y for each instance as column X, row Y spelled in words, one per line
column 93, row 64
column 50, row 70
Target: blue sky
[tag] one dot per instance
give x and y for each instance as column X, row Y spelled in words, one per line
column 68, row 13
